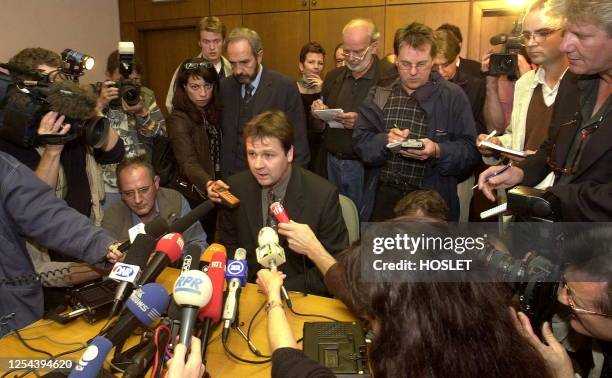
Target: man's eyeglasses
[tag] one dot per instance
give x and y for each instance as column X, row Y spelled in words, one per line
column 572, row 304
column 355, row 55
column 407, row 66
column 195, row 66
column 131, row 194
column 538, row 35
column 584, row 134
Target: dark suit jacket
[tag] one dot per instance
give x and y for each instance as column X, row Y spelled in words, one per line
column 309, row 199
column 275, row 92
column 470, row 67
column 588, row 195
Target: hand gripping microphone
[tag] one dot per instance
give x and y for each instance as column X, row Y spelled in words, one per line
column 211, row 313
column 270, row 254
column 145, row 305
column 169, row 248
column 236, row 275
column 137, row 255
column 192, row 290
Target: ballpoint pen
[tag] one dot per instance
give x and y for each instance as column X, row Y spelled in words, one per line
column 491, row 135
column 496, row 173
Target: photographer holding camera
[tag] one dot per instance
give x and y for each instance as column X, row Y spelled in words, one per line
column 132, row 111
column 68, row 167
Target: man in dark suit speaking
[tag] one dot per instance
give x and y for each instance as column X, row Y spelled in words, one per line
column 251, row 90
column 272, row 177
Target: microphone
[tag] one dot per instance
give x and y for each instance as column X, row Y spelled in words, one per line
column 145, row 305
column 138, row 254
column 211, row 313
column 192, row 290
column 169, row 248
column 270, row 254
column 183, row 223
column 141, row 361
column 207, row 256
column 236, row 275
column 498, row 39
column 279, row 212
column 191, row 258
column 91, row 361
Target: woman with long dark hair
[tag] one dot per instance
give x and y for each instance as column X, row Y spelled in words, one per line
column 194, row 132
column 193, row 126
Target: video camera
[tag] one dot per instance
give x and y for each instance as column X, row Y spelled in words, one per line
column 506, row 62
column 27, row 95
column 129, row 90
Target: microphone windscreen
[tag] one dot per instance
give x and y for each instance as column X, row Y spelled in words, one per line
column 92, row 360
column 148, row 302
column 210, row 251
column 267, row 235
column 70, row 100
column 183, row 223
column 192, row 288
column 216, row 273
column 191, row 258
column 172, row 245
column 140, row 250
column 157, row 227
column 498, row 39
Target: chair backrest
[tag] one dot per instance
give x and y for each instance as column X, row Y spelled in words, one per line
column 351, row 217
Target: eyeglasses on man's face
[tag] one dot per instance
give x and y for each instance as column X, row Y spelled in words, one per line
column 356, row 55
column 577, row 309
column 539, row 35
column 131, row 194
column 408, row 66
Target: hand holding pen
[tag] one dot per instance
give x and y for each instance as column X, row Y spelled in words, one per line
column 499, row 178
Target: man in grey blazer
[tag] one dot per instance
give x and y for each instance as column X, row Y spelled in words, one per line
column 251, row 90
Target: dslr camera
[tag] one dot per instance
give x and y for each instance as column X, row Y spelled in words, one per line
column 506, row 62
column 129, row 90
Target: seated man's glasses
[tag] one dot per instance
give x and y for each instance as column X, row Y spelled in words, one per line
column 131, row 194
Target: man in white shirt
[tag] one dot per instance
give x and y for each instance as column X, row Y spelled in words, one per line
column 535, row 92
column 211, row 39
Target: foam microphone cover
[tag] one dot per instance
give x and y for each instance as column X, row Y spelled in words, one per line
column 216, row 273
column 140, row 250
column 69, row 99
column 157, row 227
column 192, row 290
column 183, row 223
column 92, row 360
column 207, row 256
column 169, row 249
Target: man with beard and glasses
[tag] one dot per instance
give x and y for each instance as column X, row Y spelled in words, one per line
column 346, row 87
column 254, row 89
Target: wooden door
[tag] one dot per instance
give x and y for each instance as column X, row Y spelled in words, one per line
column 488, row 19
column 432, row 15
column 282, row 34
column 329, row 4
column 326, row 28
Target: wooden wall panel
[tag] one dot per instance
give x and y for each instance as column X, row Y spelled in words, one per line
column 396, row 2
column 218, row 7
column 489, row 18
column 164, row 51
column 231, row 21
column 326, row 28
column 126, row 10
column 283, row 35
column 146, row 10
column 265, row 6
column 328, row 4
column 432, row 15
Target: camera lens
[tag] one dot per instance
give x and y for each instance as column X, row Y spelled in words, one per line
column 130, row 93
column 96, row 131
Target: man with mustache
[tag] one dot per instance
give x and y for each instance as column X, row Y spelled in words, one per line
column 254, row 89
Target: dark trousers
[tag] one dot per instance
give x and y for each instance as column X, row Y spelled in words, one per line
column 387, row 197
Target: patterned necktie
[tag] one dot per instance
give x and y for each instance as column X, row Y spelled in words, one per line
column 248, row 92
column 271, row 220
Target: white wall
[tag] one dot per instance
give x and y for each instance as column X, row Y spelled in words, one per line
column 88, row 26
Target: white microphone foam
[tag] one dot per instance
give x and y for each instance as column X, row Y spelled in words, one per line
column 193, row 288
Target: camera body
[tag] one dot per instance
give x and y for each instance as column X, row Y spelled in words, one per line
column 129, row 90
column 506, row 62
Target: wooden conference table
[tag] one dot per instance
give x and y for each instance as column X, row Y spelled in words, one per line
column 218, row 363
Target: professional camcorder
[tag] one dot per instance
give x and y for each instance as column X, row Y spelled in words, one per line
column 27, row 95
column 129, row 90
column 506, row 62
